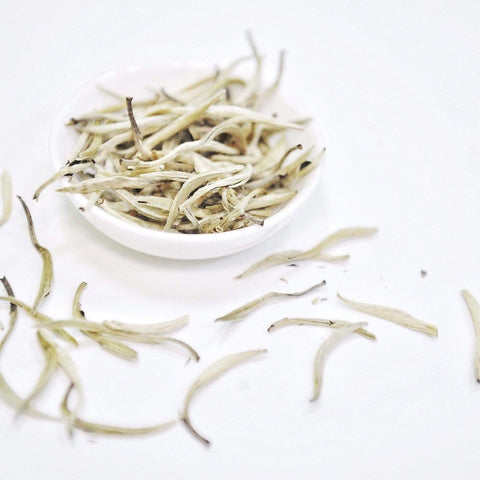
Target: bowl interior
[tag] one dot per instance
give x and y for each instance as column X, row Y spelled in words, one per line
column 139, row 82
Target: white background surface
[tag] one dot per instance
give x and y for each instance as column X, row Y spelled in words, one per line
column 397, row 88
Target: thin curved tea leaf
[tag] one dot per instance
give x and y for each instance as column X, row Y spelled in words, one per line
column 6, row 187
column 47, row 269
column 77, row 312
column 316, row 253
column 7, row 394
column 193, row 185
column 393, row 315
column 107, row 429
column 243, row 311
column 325, row 348
column 155, row 328
column 11, row 398
column 153, row 339
column 49, row 367
column 335, row 238
column 171, row 97
column 280, row 258
column 13, row 313
column 211, row 373
column 109, row 336
column 474, row 309
column 273, row 88
column 194, row 354
column 253, row 46
column 68, row 170
column 144, row 333
column 234, row 181
column 84, row 325
column 94, row 330
column 66, row 364
column 137, row 135
column 318, row 322
column 182, row 121
column 103, row 184
column 113, row 346
column 92, row 149
column 41, row 318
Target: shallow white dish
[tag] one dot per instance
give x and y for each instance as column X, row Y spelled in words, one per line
column 134, row 81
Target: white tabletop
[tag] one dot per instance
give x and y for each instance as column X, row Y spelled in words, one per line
column 395, row 84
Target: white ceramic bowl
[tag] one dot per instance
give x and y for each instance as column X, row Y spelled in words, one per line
column 134, row 81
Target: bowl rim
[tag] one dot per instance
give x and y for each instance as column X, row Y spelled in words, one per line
column 307, row 186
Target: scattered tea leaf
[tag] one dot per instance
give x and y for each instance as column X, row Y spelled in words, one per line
column 325, row 348
column 393, row 315
column 49, row 367
column 211, row 373
column 41, row 318
column 318, row 322
column 13, row 313
column 315, row 253
column 6, row 187
column 148, row 328
column 113, row 346
column 243, row 311
column 110, row 345
column 11, row 398
column 107, row 429
column 47, row 269
column 66, row 364
column 474, row 309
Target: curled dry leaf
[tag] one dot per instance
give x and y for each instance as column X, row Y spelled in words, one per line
column 474, row 309
column 243, row 311
column 211, row 373
column 393, row 315
column 318, row 252
column 325, row 348
column 318, row 322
